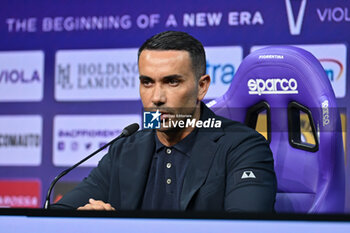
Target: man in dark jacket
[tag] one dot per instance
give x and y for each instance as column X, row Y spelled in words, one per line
column 196, row 160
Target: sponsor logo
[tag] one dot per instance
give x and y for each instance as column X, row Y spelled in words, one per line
column 272, row 86
column 99, row 76
column 325, row 113
column 271, row 57
column 295, row 25
column 19, row 194
column 18, row 76
column 333, row 59
column 63, row 74
column 20, row 137
column 332, row 75
column 76, row 136
column 96, row 75
column 20, row 140
column 18, row 201
column 81, row 133
column 337, row 14
column 222, row 63
column 21, row 81
column 220, row 73
column 248, row 175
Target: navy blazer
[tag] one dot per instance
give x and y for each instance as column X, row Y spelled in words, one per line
column 230, row 169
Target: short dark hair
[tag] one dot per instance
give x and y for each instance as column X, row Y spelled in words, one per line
column 176, row 40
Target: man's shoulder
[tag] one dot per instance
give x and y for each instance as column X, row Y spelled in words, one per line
column 235, row 132
column 231, row 132
column 227, row 125
column 141, row 136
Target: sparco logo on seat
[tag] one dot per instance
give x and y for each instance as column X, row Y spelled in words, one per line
column 272, row 86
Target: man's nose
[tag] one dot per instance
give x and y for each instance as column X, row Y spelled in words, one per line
column 159, row 96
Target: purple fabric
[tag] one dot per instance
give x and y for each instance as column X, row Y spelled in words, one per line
column 312, row 182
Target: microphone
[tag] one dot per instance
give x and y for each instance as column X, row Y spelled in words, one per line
column 127, row 131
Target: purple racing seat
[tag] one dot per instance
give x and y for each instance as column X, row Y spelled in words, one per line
column 290, row 88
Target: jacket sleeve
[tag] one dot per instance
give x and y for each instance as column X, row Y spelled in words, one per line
column 95, row 186
column 250, row 182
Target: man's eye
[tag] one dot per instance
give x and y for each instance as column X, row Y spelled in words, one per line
column 174, row 82
column 146, row 83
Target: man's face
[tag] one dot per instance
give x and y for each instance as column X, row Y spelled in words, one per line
column 168, row 83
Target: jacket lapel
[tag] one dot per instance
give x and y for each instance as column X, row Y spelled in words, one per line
column 134, row 167
column 201, row 159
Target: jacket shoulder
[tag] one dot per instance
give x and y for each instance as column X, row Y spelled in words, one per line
column 236, row 132
column 139, row 137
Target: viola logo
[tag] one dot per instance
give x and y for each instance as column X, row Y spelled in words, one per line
column 21, row 76
column 18, row 76
column 272, row 86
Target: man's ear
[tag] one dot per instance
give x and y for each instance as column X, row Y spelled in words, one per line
column 203, row 86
